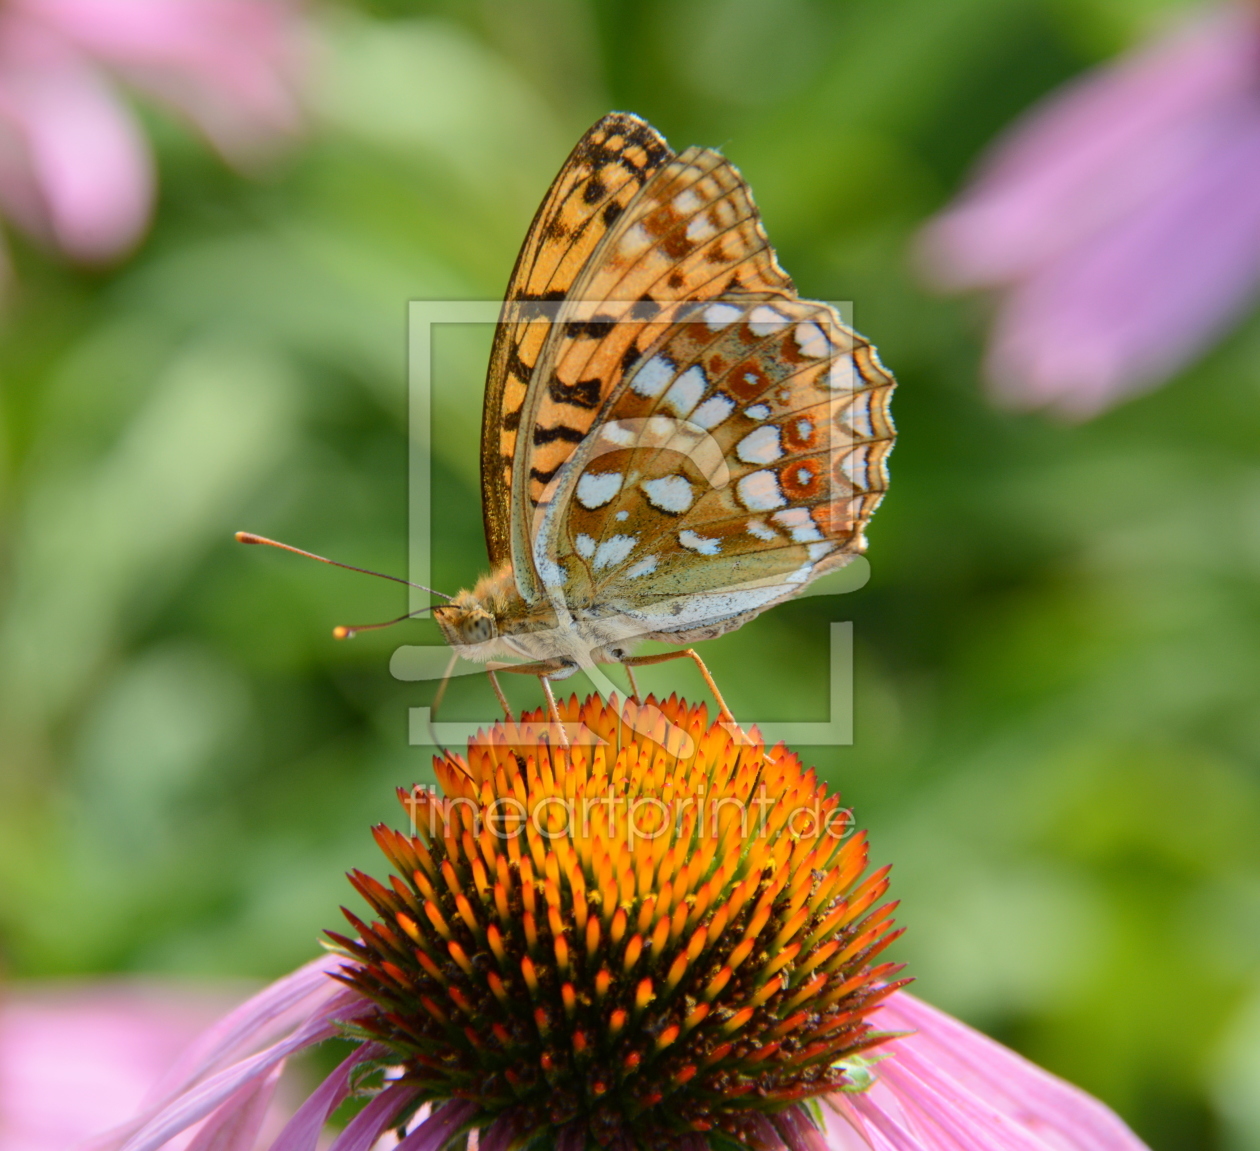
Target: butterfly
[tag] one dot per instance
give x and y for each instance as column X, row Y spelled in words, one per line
column 672, row 439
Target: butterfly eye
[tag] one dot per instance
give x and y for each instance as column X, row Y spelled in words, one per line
column 477, row 628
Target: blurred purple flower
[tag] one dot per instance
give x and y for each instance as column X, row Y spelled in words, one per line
column 1121, row 220
column 75, row 170
column 76, row 1056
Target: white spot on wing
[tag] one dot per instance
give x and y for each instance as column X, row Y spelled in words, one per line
column 761, row 446
column 757, row 411
column 719, row 316
column 613, row 550
column 651, row 379
column 800, row 523
column 622, row 515
column 760, row 492
column 763, row 320
column 713, row 411
column 858, row 417
column 761, row 530
column 700, row 228
column 595, row 489
column 685, row 392
column 585, row 546
column 698, row 543
column 817, row 551
column 804, row 428
column 801, row 574
column 635, row 240
column 841, row 376
column 642, row 568
column 686, row 202
column 617, row 433
column 812, row 340
column 669, row 493
column 551, row 573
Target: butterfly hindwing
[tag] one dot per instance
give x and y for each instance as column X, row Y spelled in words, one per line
column 742, row 460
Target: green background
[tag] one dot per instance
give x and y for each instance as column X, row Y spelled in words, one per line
column 1058, row 653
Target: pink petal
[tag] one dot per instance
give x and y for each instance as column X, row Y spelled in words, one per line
column 232, row 66
column 195, row 1104
column 258, row 1021
column 433, row 1133
column 372, row 1122
column 74, row 169
column 303, row 1131
column 235, row 1126
column 1096, row 151
column 946, row 1087
column 1139, row 300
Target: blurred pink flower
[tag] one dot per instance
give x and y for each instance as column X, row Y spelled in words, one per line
column 939, row 1087
column 76, row 1056
column 1121, row 220
column 75, row 170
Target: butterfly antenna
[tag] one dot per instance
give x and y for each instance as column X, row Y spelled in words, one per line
column 251, row 538
column 341, row 631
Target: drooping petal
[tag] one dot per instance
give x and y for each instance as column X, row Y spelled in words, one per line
column 201, row 1095
column 946, row 1087
column 444, row 1122
column 237, row 1122
column 368, row 1125
column 257, row 1022
column 302, row 1132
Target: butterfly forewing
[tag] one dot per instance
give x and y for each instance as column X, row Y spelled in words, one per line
column 692, row 233
column 601, row 176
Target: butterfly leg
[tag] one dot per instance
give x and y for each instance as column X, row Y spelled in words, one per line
column 724, row 712
column 634, row 687
column 542, row 669
column 494, row 683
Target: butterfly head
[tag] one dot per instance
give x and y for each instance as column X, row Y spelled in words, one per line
column 466, row 623
column 471, row 622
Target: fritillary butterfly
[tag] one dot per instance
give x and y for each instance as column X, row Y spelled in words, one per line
column 672, row 440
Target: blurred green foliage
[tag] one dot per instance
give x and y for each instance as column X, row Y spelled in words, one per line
column 1057, row 730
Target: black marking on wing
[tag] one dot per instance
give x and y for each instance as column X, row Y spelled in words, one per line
column 594, row 191
column 517, row 366
column 629, row 358
column 612, row 210
column 596, row 328
column 645, row 308
column 584, row 394
column 559, row 432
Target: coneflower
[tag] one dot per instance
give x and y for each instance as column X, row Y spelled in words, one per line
column 655, row 933
column 658, row 931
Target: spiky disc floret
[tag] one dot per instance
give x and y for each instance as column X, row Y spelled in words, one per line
column 656, row 937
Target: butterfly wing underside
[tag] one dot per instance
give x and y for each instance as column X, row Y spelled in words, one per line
column 671, row 434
